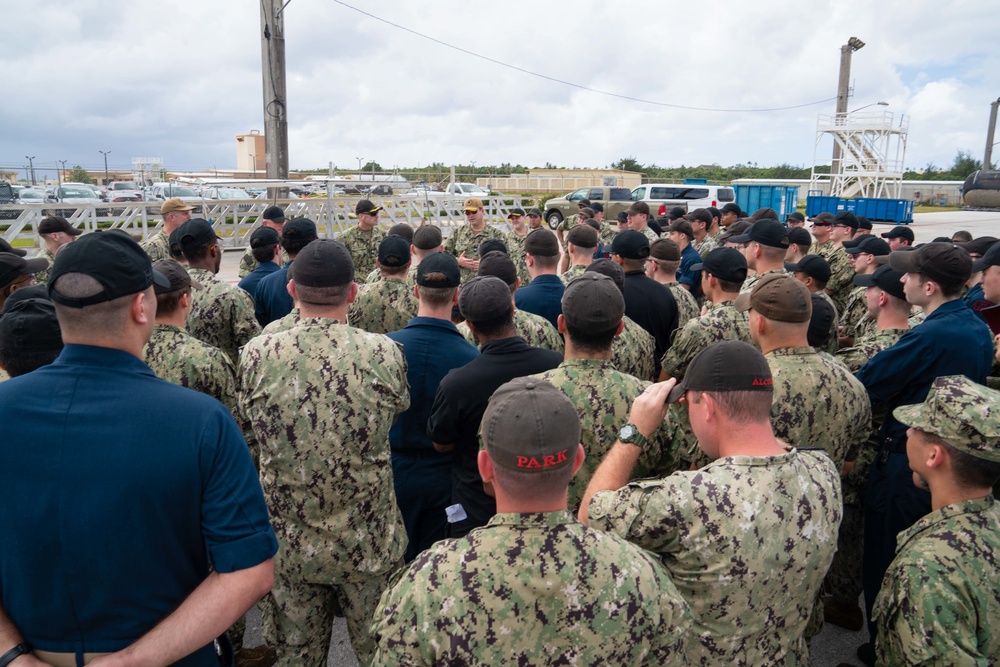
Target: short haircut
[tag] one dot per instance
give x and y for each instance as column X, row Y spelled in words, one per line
column 394, row 270
column 969, row 471
column 532, row 484
column 772, row 254
column 436, row 296
column 727, row 286
column 198, row 252
column 961, row 236
column 18, row 362
column 633, row 264
column 546, row 262
column 589, row 340
column 668, row 266
column 323, row 296
column 294, row 246
column 949, row 289
column 744, row 407
column 168, row 302
column 108, row 317
column 264, row 253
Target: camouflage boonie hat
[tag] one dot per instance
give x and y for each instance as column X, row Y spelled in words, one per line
column 962, row 412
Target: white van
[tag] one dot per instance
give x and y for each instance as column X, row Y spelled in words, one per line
column 662, row 197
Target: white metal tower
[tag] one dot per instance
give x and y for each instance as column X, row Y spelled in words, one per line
column 873, row 148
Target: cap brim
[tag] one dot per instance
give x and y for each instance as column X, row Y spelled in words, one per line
column 35, row 264
column 911, row 415
column 675, row 394
column 17, row 251
column 696, row 267
column 864, row 279
column 74, row 231
column 162, row 280
column 792, row 267
column 742, row 302
column 853, row 250
column 742, row 238
column 904, row 261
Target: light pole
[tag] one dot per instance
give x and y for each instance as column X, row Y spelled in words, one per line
column 60, row 173
column 105, row 154
column 253, row 162
column 359, row 164
column 843, row 91
column 31, row 166
column 873, row 104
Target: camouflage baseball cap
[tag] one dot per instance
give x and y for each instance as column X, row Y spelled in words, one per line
column 962, row 412
column 530, row 425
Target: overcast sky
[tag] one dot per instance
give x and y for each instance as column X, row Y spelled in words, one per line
column 180, row 79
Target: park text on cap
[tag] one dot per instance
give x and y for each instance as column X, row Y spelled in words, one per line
column 55, row 223
column 766, row 232
column 472, row 204
column 872, row 245
column 393, row 251
column 484, row 298
column 264, row 236
column 730, row 365
column 299, row 229
column 427, row 237
column 114, row 260
column 196, row 232
column 592, row 302
column 964, row 413
column 531, row 426
column 582, row 236
column 13, row 266
column 846, row 218
column 323, row 263
column 899, row 232
column 778, row 297
column 274, row 214
column 885, row 278
column 365, row 206
column 498, row 264
column 813, row 266
column 439, row 269
column 665, row 250
column 31, row 326
column 176, row 275
column 639, row 207
column 727, row 264
column 542, row 243
column 990, row 258
column 630, row 244
column 516, row 213
column 174, row 204
column 941, row 262
column 6, row 247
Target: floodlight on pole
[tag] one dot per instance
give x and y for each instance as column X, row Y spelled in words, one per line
column 105, row 154
column 31, row 167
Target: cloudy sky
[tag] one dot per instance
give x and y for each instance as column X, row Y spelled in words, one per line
column 179, row 79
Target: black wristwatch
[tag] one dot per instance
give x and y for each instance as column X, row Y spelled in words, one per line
column 628, row 433
column 16, row 652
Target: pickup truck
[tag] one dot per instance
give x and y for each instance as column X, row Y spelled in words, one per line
column 122, row 191
column 614, row 200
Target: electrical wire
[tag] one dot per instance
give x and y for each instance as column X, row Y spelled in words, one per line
column 570, row 83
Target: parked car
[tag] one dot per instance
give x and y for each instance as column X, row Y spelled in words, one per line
column 661, row 197
column 164, row 191
column 8, row 196
column 614, row 200
column 73, row 194
column 227, row 194
column 31, row 196
column 124, row 191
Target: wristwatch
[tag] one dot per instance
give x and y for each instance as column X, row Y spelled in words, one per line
column 630, row 434
column 16, row 652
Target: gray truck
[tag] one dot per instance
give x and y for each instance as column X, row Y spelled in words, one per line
column 614, row 200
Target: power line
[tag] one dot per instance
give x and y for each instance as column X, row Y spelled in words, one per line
column 570, row 83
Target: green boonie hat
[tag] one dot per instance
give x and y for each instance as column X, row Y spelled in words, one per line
column 962, row 412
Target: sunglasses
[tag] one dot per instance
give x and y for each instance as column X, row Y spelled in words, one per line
column 821, row 224
column 472, row 212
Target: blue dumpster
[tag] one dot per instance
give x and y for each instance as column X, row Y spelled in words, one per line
column 899, row 211
column 781, row 198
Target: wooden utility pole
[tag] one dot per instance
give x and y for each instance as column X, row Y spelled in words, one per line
column 272, row 24
column 990, row 131
column 843, row 93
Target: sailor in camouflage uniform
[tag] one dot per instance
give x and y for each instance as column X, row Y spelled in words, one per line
column 841, row 274
column 662, row 264
column 593, row 308
column 388, row 304
column 362, row 240
column 939, row 603
column 746, row 539
column 514, row 241
column 465, row 240
column 861, row 257
column 638, row 219
column 581, row 242
column 273, row 217
column 321, row 398
column 55, row 232
column 633, row 350
column 222, row 315
column 767, row 243
column 533, row 586
column 175, row 213
column 701, row 221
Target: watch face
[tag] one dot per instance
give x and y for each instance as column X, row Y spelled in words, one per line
column 627, row 432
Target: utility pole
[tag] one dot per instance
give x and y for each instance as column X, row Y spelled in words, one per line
column 843, row 93
column 59, row 174
column 105, row 154
column 991, row 130
column 272, row 45
column 31, row 167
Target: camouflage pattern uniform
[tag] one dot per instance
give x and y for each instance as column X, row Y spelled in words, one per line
column 515, row 250
column 532, row 589
column 753, row 279
column 940, row 599
column 721, row 322
column 248, row 263
column 633, row 351
column 321, row 398
column 746, row 540
column 464, row 240
column 854, row 310
column 222, row 315
column 833, row 340
column 157, row 246
column 650, row 234
column 705, row 246
column 687, row 305
column 863, row 350
column 603, row 397
column 178, row 357
column 607, row 233
column 572, row 272
column 534, row 329
column 568, row 223
column 283, row 324
column 42, row 277
column 841, row 274
column 363, row 247
column 383, row 306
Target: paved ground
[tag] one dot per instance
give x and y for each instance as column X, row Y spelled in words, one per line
column 833, row 646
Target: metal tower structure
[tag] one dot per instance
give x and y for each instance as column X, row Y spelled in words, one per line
column 872, row 150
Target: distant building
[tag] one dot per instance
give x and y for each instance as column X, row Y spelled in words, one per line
column 562, row 180
column 251, row 156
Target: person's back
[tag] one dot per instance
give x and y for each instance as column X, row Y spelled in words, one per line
column 271, row 298
column 541, row 297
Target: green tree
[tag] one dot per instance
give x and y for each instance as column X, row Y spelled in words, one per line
column 79, row 175
column 371, row 166
column 627, row 164
column 964, row 165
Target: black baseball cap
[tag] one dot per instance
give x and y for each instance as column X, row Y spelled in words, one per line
column 732, row 208
column 622, row 216
column 55, row 223
column 6, row 247
column 990, row 258
column 439, row 269
column 727, row 264
column 846, row 218
column 427, row 237
column 492, row 245
column 592, row 302
column 942, row 262
column 365, row 206
column 795, row 215
column 869, row 244
column 729, row 365
column 322, row 263
column 515, row 213
column 799, row 236
column 274, row 214
column 541, row 242
column 196, row 232
column 734, row 230
column 813, row 266
column 497, row 264
column 978, row 246
column 299, row 229
column 884, row 277
column 12, row 266
column 765, row 231
column 630, row 244
column 821, row 321
column 393, row 251
column 609, row 268
column 29, row 292
column 864, row 223
column 582, row 236
column 264, row 236
column 484, row 298
column 899, row 232
column 31, row 325
column 176, row 274
column 116, row 261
